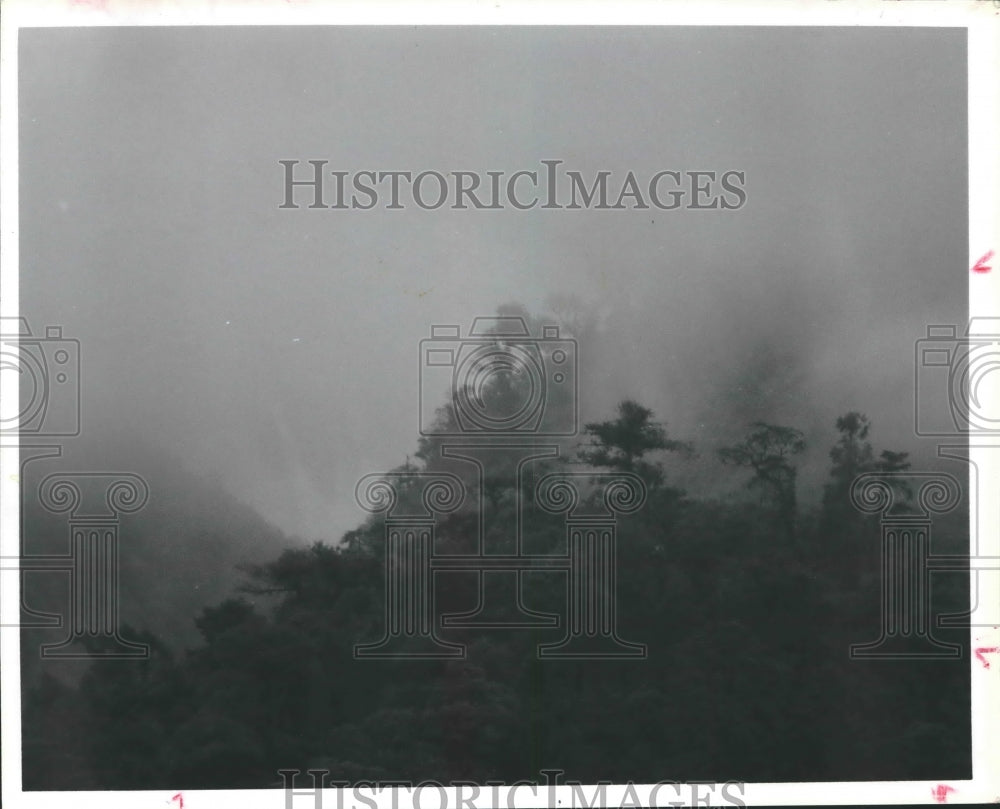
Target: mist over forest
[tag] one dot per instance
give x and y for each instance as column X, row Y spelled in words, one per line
column 253, row 364
column 745, row 595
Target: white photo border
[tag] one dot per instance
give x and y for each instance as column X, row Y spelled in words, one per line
column 980, row 19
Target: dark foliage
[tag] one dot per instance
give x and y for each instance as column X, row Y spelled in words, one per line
column 747, row 608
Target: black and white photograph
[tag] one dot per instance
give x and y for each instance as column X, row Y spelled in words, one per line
column 499, row 407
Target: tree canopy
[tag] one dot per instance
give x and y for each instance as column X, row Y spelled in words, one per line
column 747, row 640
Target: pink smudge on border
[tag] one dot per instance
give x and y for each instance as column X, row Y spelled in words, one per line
column 981, row 265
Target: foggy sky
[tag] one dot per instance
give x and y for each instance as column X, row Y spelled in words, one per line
column 278, row 349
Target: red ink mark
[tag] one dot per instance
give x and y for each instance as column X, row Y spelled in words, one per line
column 982, row 651
column 981, row 265
column 940, row 792
column 179, row 797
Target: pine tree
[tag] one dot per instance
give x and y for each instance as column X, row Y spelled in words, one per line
column 624, row 443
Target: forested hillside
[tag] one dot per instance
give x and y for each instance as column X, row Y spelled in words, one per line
column 747, row 605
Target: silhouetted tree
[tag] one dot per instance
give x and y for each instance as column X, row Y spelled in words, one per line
column 893, row 462
column 624, row 442
column 852, row 456
column 767, row 450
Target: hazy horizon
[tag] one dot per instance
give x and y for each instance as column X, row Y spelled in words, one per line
column 277, row 350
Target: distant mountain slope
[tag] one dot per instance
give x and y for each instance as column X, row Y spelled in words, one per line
column 176, row 555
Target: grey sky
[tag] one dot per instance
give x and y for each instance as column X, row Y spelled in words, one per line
column 277, row 349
